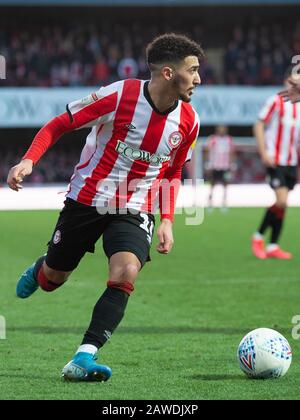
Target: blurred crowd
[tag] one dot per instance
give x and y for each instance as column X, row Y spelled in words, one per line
column 260, row 54
column 56, row 166
column 76, row 55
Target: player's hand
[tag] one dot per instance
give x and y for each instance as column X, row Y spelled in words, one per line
column 285, row 95
column 233, row 167
column 17, row 173
column 165, row 237
column 268, row 161
column 292, row 93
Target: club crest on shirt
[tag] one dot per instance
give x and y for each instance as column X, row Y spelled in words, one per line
column 57, row 237
column 175, row 139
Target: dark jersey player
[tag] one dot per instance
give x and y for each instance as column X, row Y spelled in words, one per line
column 141, row 135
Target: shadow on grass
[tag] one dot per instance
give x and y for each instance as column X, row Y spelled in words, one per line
column 55, row 379
column 129, row 330
column 20, row 376
column 137, row 330
column 218, row 377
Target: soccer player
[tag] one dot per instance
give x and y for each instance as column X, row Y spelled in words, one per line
column 220, row 148
column 277, row 132
column 142, row 134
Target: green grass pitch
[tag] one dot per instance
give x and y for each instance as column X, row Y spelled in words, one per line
column 183, row 324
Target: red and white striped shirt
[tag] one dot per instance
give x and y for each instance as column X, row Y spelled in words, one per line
column 220, row 149
column 130, row 149
column 282, row 133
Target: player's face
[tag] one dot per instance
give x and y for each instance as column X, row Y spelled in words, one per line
column 186, row 78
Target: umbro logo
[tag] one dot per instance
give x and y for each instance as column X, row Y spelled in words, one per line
column 107, row 334
column 130, row 127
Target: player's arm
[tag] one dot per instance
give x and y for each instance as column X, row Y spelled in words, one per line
column 233, row 155
column 265, row 116
column 207, row 147
column 169, row 191
column 44, row 139
column 165, row 236
column 233, row 159
column 259, row 132
column 86, row 112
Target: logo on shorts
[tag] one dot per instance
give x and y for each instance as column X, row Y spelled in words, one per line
column 276, row 183
column 57, row 237
column 175, row 139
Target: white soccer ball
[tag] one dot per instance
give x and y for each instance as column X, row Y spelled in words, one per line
column 264, row 353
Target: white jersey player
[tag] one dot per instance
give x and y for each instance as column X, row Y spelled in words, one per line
column 220, row 159
column 278, row 133
column 141, row 135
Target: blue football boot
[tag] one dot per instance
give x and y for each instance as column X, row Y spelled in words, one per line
column 27, row 283
column 83, row 368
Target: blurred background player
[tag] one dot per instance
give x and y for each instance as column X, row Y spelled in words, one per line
column 220, row 161
column 277, row 133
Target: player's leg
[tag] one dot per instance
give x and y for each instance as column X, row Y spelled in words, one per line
column 225, row 180
column 211, row 191
column 76, row 232
column 107, row 314
column 109, row 310
column 278, row 211
column 224, row 203
column 289, row 174
column 123, row 271
column 276, row 180
column 127, row 243
column 40, row 275
column 50, row 279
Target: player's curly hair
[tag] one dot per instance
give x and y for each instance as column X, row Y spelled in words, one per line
column 172, row 48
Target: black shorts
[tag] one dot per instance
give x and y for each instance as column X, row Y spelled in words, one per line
column 79, row 227
column 282, row 176
column 221, row 176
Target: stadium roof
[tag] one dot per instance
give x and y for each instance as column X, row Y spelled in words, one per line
column 142, row 3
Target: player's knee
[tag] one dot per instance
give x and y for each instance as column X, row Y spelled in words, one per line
column 130, row 273
column 123, row 278
column 127, row 272
column 281, row 204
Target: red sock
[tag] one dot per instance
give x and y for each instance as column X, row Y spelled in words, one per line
column 126, row 287
column 278, row 211
column 45, row 284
